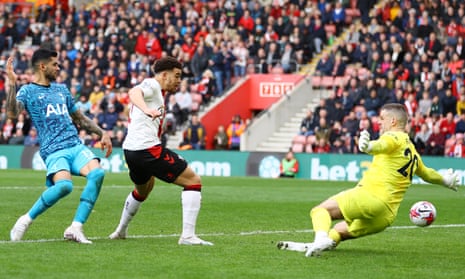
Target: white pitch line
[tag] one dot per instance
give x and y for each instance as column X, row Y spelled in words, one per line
column 43, row 186
column 225, row 234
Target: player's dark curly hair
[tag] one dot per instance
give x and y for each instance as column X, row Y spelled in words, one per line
column 167, row 63
column 42, row 54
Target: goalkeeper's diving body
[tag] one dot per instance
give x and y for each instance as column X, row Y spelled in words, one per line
column 371, row 206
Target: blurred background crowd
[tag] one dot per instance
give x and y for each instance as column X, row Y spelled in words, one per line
column 409, row 52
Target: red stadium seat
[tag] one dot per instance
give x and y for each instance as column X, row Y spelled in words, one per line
column 297, row 147
column 308, row 148
column 311, row 139
column 299, row 139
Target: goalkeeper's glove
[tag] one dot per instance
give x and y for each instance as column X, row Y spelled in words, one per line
column 451, row 180
column 364, row 141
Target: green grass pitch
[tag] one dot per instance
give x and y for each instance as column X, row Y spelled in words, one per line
column 244, row 217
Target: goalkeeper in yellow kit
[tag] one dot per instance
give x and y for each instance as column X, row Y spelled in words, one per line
column 372, row 205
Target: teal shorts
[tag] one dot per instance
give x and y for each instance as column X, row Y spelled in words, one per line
column 72, row 159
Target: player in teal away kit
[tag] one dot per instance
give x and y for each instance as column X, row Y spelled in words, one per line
column 53, row 112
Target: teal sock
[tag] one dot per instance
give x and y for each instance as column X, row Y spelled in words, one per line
column 89, row 195
column 50, row 196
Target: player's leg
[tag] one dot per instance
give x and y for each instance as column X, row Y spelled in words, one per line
column 140, row 164
column 322, row 216
column 171, row 168
column 363, row 214
column 59, row 185
column 191, row 202
column 131, row 206
column 86, row 164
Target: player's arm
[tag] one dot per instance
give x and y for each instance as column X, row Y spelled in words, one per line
column 87, row 124
column 384, row 144
column 136, row 95
column 13, row 107
column 449, row 180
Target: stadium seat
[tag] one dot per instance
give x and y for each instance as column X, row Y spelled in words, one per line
column 327, row 82
column 196, row 97
column 299, row 139
column 316, row 81
column 341, row 81
column 308, row 148
column 195, row 107
column 277, row 70
column 311, row 139
column 193, row 88
column 297, row 147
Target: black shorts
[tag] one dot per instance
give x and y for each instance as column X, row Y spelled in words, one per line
column 155, row 161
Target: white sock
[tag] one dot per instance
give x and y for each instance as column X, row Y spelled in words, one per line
column 76, row 224
column 190, row 210
column 319, row 235
column 131, row 206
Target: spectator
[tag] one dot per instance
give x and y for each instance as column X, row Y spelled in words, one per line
column 289, row 166
column 234, row 131
column 17, row 138
column 108, row 118
column 338, row 147
column 241, row 54
column 120, row 126
column 288, row 59
column 449, row 102
column 31, row 139
column 322, row 130
column 184, row 100
column 424, row 105
column 421, row 138
column 460, row 125
column 460, row 109
column 8, row 128
column 324, row 66
column 220, row 141
column 217, row 65
column 84, row 105
column 199, row 62
column 307, row 124
column 322, row 146
column 457, row 150
column 195, row 134
column 206, row 86
column 447, row 125
column 118, row 138
column 435, row 143
column 373, row 103
column 173, row 115
column 3, row 140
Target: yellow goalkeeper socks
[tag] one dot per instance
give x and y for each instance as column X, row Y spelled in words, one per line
column 321, row 220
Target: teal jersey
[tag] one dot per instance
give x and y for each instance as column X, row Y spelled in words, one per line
column 49, row 108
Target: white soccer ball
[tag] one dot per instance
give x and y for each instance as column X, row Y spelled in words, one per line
column 422, row 213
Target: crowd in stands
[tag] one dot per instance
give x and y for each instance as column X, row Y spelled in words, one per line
column 103, row 51
column 408, row 51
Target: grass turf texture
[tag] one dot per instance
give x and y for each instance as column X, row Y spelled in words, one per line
column 244, row 217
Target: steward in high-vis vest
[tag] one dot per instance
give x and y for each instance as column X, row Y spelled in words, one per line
column 289, row 166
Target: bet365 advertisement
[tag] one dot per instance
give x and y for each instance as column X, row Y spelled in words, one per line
column 232, row 163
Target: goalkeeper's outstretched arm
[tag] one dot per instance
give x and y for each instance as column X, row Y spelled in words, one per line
column 449, row 180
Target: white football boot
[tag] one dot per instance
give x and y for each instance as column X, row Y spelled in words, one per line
column 20, row 227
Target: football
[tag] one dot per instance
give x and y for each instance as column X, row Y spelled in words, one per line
column 422, row 213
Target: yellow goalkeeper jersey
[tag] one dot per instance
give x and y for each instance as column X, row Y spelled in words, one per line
column 395, row 161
